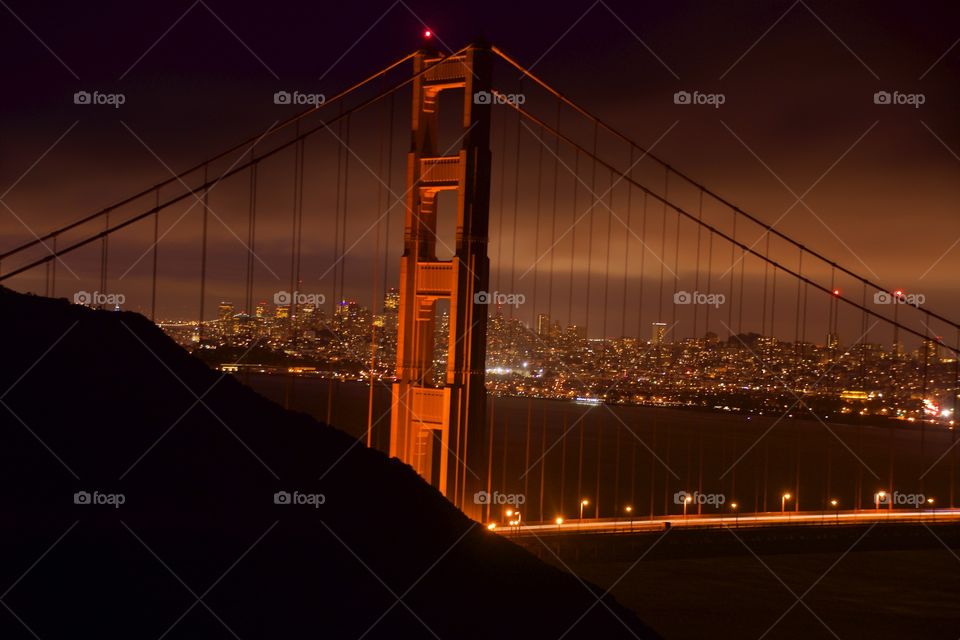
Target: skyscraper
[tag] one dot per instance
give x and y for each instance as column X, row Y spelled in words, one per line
column 658, row 331
column 833, row 341
column 225, row 319
column 543, row 324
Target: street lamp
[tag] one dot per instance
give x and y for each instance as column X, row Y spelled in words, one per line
column 584, row 502
column 836, row 507
column 686, row 500
column 933, row 512
column 783, row 502
column 629, row 511
column 878, row 497
column 559, row 521
column 736, row 515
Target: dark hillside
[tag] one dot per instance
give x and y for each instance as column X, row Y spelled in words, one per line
column 103, row 403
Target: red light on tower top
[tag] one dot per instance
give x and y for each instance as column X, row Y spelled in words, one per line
column 898, row 293
column 427, row 34
column 836, row 292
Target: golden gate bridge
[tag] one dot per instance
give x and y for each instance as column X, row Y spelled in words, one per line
column 512, row 190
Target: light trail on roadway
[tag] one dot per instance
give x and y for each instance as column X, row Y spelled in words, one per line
column 771, row 519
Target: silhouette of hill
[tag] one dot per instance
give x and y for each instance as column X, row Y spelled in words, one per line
column 181, row 537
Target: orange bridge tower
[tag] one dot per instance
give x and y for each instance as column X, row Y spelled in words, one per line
column 438, row 422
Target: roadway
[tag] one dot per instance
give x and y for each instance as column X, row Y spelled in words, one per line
column 752, row 520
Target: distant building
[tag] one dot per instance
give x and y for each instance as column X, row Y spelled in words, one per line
column 543, row 325
column 578, row 331
column 225, row 318
column 658, row 332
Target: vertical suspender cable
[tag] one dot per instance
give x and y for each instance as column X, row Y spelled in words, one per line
column 299, row 231
column 563, row 459
column 516, row 213
column 696, row 283
column 295, row 223
column 526, row 449
column 864, row 337
column 543, row 457
column 626, row 252
column 336, row 259
column 336, row 229
column 104, row 253
column 581, row 420
column 709, row 277
column 553, row 213
column 251, row 233
column 797, row 348
column 773, row 310
column 373, row 294
column 203, row 258
column 502, row 190
column 743, row 269
column 616, row 471
column 388, row 211
column 53, row 269
column 536, row 237
column 596, row 503
column 766, row 277
column 573, row 234
column 606, row 277
column 831, row 316
column 803, row 322
column 593, row 206
column 643, row 270
column 346, row 194
column 506, row 442
column 676, row 274
column 46, row 277
column 663, row 244
column 492, row 406
column 733, row 254
column 156, row 250
column 653, row 467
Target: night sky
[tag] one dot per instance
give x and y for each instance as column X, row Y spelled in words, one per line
column 877, row 181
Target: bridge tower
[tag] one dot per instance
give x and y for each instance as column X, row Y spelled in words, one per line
column 440, row 428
